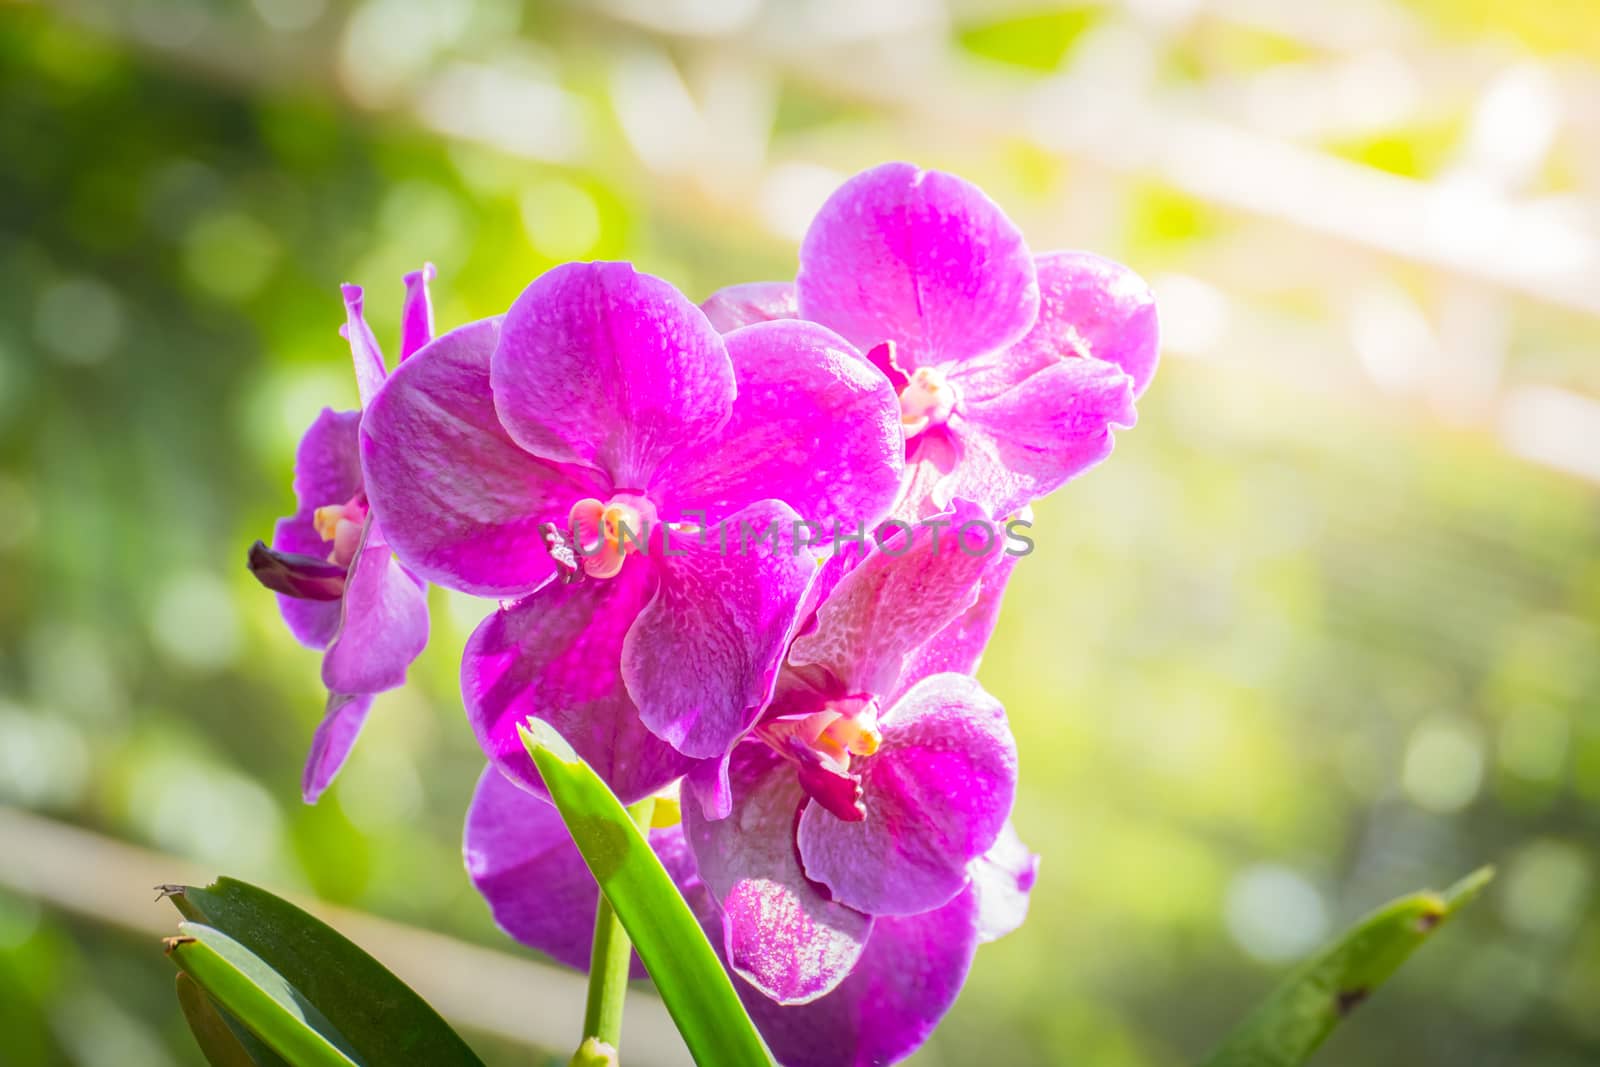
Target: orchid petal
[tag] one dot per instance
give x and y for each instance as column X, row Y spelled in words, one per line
column 1031, row 439
column 416, row 316
column 920, row 258
column 462, row 505
column 913, row 585
column 1091, row 307
column 937, row 792
column 907, row 978
column 327, row 463
column 327, row 470
column 384, row 625
column 780, row 934
column 364, row 350
column 931, row 460
column 331, row 744
column 1003, row 879
column 602, row 366
column 701, row 659
column 958, row 648
column 707, row 786
column 741, row 305
column 555, row 655
column 814, row 425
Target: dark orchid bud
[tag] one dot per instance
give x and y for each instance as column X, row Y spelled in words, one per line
column 291, row 574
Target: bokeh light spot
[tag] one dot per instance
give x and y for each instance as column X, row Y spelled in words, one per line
column 561, row 219
column 229, row 255
column 79, row 320
column 194, row 622
column 1274, row 913
column 1444, row 765
column 1547, row 887
column 43, row 759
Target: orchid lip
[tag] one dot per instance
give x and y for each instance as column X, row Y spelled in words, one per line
column 927, row 399
column 342, row 524
column 823, row 746
column 601, row 536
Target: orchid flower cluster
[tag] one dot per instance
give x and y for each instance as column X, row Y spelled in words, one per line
column 747, row 555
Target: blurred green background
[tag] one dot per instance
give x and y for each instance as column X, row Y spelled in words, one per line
column 1324, row 630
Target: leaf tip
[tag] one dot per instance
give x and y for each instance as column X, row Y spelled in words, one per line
column 539, row 736
column 1444, row 904
column 1463, row 891
column 169, row 945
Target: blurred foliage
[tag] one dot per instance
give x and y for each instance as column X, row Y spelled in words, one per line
column 1289, row 653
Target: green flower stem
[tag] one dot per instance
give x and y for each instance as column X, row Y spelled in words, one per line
column 609, row 962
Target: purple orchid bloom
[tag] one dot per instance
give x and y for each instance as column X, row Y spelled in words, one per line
column 605, row 455
column 339, row 587
column 1011, row 370
column 904, row 975
column 868, row 789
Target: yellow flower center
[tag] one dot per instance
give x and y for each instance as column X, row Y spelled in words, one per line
column 927, row 400
column 604, row 535
column 341, row 524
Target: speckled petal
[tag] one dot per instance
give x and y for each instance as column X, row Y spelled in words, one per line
column 556, row 655
column 741, row 305
column 779, row 933
column 1030, row 440
column 814, row 425
column 1092, row 307
column 916, row 583
column 921, row 258
column 461, row 503
column 600, row 365
column 701, row 659
column 907, row 978
column 959, row 647
column 937, row 792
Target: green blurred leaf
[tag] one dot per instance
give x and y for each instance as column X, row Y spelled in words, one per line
column 682, row 964
column 380, row 1015
column 1035, row 42
column 223, row 1041
column 1298, row 1016
column 258, row 996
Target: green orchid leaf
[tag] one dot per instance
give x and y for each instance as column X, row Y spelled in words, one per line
column 684, row 967
column 272, row 1009
column 1287, row 1027
column 223, row 1040
column 382, row 1018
